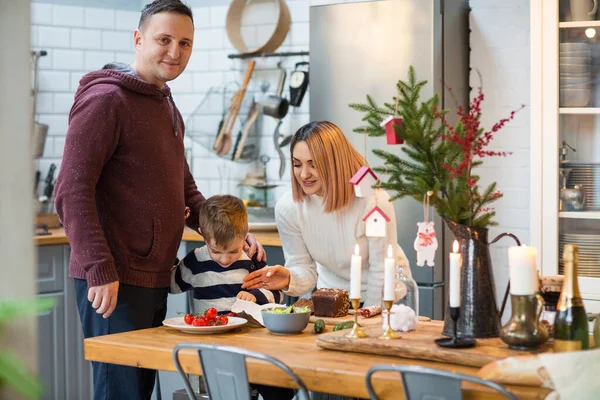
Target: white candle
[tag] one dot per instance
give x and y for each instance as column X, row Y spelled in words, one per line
column 355, row 274
column 522, row 270
column 455, row 261
column 389, row 275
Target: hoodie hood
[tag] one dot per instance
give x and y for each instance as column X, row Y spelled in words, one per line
column 124, row 76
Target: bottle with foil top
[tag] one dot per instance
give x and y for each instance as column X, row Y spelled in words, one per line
column 571, row 326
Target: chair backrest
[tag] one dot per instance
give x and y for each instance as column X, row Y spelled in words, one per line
column 224, row 371
column 422, row 383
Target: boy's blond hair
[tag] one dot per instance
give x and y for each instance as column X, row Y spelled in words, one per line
column 335, row 160
column 223, row 218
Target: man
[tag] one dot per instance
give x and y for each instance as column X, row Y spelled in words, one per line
column 123, row 189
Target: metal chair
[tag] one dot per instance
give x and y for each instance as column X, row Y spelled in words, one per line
column 224, row 371
column 422, row 383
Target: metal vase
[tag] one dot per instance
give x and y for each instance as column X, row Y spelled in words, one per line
column 524, row 331
column 478, row 308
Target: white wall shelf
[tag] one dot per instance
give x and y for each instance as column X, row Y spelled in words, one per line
column 579, row 24
column 580, row 214
column 579, row 110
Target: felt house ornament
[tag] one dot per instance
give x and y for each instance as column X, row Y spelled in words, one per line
column 375, row 222
column 363, row 181
column 390, row 133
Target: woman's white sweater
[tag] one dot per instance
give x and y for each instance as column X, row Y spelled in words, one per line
column 318, row 246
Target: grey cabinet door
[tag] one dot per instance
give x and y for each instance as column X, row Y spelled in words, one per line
column 51, row 268
column 51, row 341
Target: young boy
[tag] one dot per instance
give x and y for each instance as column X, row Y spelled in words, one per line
column 216, row 271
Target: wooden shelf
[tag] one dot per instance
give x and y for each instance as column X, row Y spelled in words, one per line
column 579, row 110
column 580, row 214
column 579, row 24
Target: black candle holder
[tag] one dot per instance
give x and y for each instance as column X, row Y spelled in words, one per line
column 454, row 341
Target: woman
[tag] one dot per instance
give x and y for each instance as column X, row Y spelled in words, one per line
column 320, row 220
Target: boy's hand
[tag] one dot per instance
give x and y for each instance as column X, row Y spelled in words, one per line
column 246, row 296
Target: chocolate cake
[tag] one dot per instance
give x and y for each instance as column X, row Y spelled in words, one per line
column 331, row 302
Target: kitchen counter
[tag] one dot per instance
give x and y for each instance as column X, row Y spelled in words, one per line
column 57, row 236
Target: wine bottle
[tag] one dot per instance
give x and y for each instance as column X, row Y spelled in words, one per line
column 570, row 326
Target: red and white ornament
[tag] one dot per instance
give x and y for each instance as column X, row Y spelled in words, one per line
column 375, row 222
column 363, row 181
column 390, row 133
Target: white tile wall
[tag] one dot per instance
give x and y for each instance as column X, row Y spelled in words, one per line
column 500, row 51
column 81, row 39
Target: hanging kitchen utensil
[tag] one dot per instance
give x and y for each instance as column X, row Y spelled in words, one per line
column 298, row 84
column 239, row 145
column 277, row 106
column 223, row 143
column 276, row 136
column 40, row 131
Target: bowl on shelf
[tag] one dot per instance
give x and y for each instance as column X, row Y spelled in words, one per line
column 574, row 97
column 574, row 68
column 570, row 59
column 574, row 46
column 286, row 323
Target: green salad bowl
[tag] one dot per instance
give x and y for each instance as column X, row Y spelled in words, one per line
column 286, row 323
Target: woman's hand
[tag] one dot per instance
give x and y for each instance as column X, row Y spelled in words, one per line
column 252, row 246
column 275, row 277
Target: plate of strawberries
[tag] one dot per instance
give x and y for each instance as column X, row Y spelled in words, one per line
column 205, row 323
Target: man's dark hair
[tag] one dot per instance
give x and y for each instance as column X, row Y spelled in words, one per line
column 158, row 6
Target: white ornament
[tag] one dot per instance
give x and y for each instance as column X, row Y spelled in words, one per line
column 363, row 181
column 402, row 318
column 425, row 244
column 375, row 222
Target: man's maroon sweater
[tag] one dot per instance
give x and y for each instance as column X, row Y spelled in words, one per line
column 124, row 181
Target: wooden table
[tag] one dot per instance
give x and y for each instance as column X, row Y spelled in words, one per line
column 321, row 370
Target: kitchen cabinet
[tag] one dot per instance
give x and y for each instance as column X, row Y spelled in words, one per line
column 565, row 138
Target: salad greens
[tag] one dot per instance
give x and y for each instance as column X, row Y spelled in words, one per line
column 288, row 310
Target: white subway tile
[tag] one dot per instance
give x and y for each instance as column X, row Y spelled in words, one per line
column 34, row 35
column 299, row 10
column 218, row 60
column 263, row 34
column 86, row 39
column 119, row 41
column 186, row 103
column 204, row 80
column 59, row 146
column 75, row 78
column 63, row 102
column 218, row 15
column 58, row 124
column 44, row 103
column 99, row 18
column 95, row 60
column 67, row 16
column 51, row 81
column 41, row 13
column 300, row 33
column 183, row 83
column 127, row 20
column 201, row 17
column 67, row 60
column 126, row 58
column 45, row 62
column 198, row 61
column 48, row 148
column 208, row 39
column 53, row 37
column 259, row 13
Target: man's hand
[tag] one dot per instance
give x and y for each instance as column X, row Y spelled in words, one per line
column 246, row 296
column 104, row 298
column 252, row 246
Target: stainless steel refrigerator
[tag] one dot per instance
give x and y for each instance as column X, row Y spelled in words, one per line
column 365, row 48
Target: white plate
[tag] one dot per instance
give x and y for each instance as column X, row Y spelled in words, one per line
column 177, row 323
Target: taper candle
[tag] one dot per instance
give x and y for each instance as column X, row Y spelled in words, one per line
column 389, row 275
column 355, row 274
column 455, row 261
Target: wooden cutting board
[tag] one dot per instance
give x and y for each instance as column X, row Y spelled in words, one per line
column 420, row 345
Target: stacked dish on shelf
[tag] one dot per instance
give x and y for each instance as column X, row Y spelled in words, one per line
column 589, row 252
column 575, row 74
column 587, row 176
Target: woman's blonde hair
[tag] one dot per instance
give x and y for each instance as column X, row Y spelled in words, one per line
column 335, row 160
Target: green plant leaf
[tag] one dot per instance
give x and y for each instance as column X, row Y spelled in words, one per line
column 15, row 374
